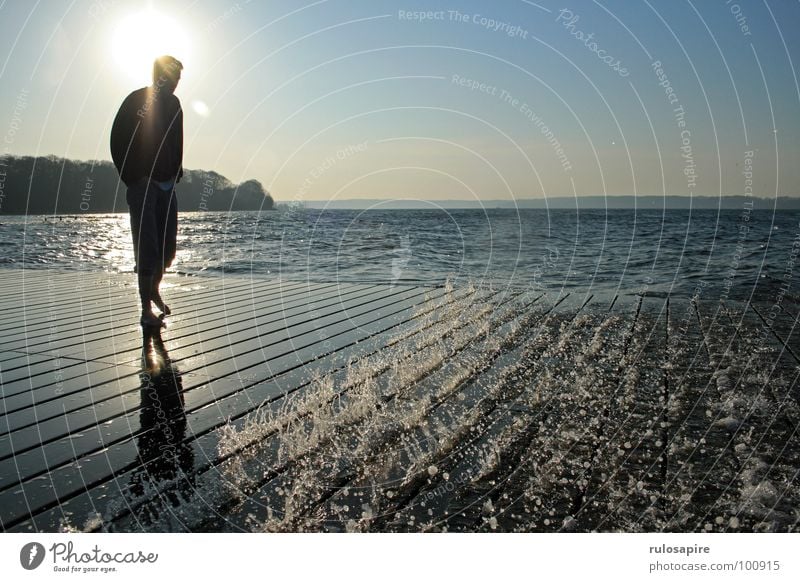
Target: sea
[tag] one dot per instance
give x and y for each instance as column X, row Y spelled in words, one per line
column 736, row 254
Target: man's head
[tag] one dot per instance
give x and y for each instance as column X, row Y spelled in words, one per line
column 167, row 73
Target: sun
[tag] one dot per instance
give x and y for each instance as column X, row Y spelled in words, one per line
column 141, row 37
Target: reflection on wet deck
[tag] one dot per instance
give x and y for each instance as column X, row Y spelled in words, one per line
column 271, row 405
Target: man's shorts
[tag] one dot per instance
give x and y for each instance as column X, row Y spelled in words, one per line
column 154, row 226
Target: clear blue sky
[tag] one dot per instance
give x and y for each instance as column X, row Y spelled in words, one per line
column 350, row 99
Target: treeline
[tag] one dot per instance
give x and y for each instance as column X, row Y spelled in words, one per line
column 52, row 185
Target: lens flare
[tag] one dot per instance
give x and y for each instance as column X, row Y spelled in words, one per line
column 200, row 108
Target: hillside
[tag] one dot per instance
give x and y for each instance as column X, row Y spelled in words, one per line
column 51, row 185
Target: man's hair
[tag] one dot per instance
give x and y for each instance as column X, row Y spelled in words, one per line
column 166, row 66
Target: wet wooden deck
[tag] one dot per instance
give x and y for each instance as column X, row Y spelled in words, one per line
column 271, row 405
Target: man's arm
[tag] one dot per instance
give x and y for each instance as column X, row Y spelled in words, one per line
column 179, row 140
column 123, row 131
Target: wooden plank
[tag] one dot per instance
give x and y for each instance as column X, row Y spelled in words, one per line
column 52, row 366
column 111, row 297
column 627, row 473
column 59, row 333
column 626, row 414
column 432, row 380
column 183, row 325
column 39, row 460
column 756, row 378
column 122, row 449
column 402, row 336
column 46, row 374
column 482, row 429
column 783, row 328
column 541, row 471
column 96, row 346
column 467, row 357
column 14, row 361
column 363, row 354
column 90, row 314
column 69, row 289
column 97, row 389
column 105, row 494
column 269, row 340
column 700, row 459
column 34, row 289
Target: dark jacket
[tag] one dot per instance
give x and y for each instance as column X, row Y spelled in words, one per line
column 147, row 137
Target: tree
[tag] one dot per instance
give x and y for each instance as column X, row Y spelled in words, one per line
column 61, row 186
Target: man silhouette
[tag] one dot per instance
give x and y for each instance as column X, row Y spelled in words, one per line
column 147, row 149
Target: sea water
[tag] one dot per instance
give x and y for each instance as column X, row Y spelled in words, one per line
column 733, row 254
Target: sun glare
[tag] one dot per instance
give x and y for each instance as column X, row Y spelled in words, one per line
column 139, row 38
column 200, row 108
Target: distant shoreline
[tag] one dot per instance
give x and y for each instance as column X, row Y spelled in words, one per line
column 584, row 203
column 568, row 203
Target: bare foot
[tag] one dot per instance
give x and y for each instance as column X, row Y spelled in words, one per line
column 163, row 307
column 149, row 319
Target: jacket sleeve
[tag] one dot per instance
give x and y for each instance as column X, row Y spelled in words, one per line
column 122, row 134
column 179, row 142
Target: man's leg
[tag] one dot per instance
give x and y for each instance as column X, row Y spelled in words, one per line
column 142, row 203
column 146, row 293
column 156, row 295
column 167, row 234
